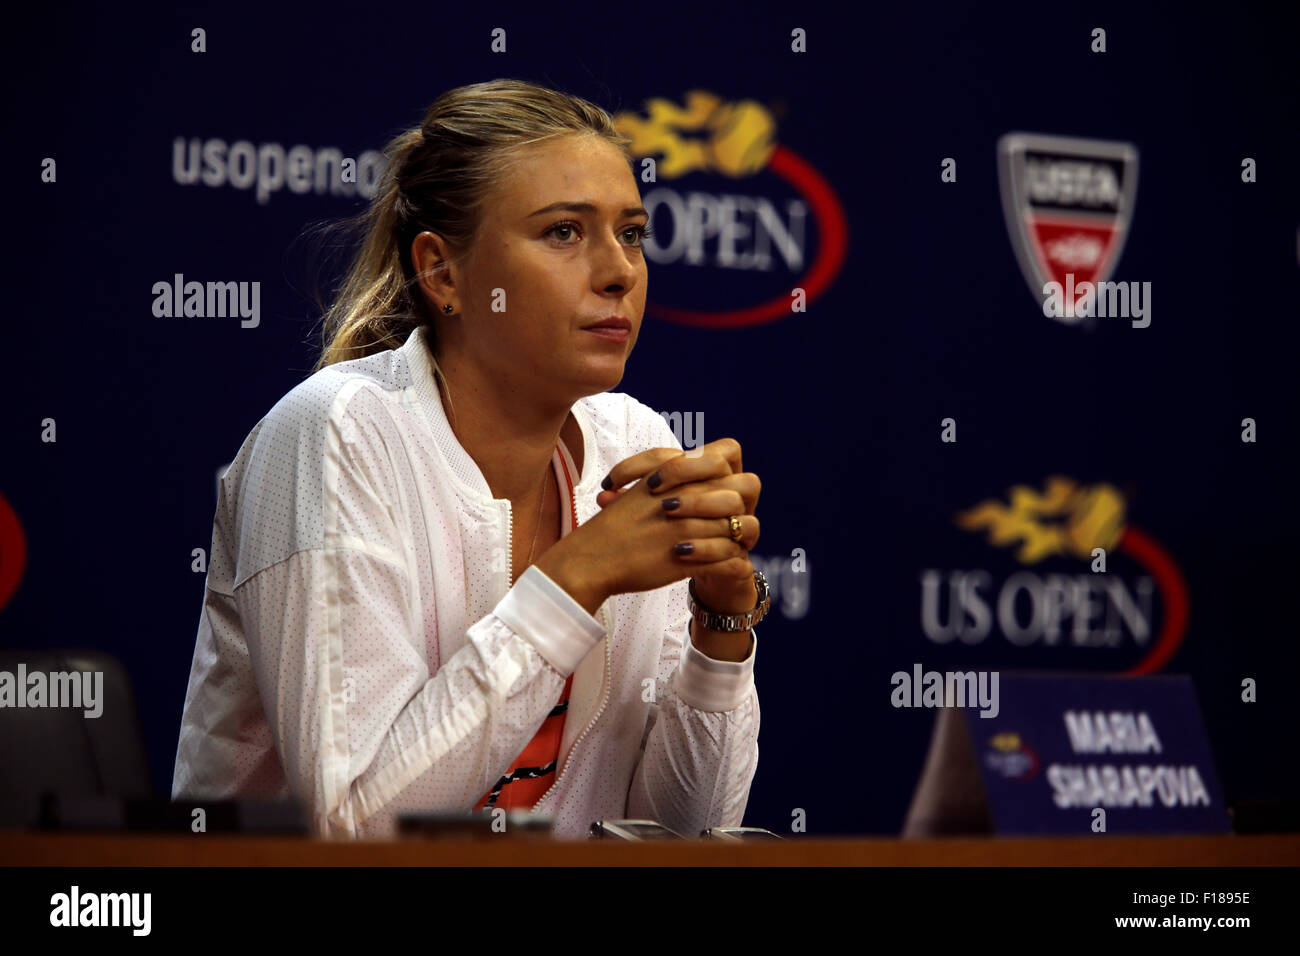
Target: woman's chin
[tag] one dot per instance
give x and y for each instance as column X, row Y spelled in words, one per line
column 602, row 376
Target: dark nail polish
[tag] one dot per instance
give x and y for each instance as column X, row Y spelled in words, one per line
column 671, row 503
column 655, row 480
column 683, row 547
column 608, row 483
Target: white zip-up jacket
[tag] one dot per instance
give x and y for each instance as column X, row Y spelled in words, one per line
column 361, row 649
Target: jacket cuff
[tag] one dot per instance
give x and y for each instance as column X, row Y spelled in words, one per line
column 547, row 616
column 714, row 686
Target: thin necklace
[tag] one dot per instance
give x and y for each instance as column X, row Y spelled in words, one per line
column 545, row 478
column 545, row 482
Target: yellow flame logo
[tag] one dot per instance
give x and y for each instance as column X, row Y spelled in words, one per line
column 1006, row 742
column 1065, row 519
column 738, row 138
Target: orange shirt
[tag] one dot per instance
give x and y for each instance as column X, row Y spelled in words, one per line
column 533, row 772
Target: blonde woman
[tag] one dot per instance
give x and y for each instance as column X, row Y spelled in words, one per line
column 451, row 569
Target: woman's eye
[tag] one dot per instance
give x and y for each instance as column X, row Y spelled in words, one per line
column 638, row 233
column 641, row 232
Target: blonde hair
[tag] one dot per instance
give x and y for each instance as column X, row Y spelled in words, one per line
column 437, row 178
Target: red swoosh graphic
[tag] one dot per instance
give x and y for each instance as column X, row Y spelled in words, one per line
column 1140, row 546
column 13, row 552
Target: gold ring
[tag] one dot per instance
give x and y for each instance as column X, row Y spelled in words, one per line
column 735, row 528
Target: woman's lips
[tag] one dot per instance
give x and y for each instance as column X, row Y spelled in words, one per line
column 614, row 335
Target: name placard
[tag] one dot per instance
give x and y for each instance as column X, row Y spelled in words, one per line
column 1073, row 755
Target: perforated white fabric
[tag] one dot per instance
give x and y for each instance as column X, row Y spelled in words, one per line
column 360, row 646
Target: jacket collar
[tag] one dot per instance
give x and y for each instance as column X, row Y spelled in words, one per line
column 464, row 470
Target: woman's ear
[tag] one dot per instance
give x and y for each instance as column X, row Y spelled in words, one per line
column 430, row 255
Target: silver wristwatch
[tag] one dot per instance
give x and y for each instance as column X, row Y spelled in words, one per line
column 714, row 621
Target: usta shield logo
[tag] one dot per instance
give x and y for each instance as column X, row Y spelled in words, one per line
column 1068, row 204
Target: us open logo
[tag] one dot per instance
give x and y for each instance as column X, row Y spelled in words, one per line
column 1068, row 205
column 1074, row 582
column 748, row 230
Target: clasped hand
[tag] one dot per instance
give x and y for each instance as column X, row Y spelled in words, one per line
column 708, row 484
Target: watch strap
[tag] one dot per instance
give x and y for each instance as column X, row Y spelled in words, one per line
column 718, row 621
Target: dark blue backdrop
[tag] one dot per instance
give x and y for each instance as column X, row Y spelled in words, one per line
column 838, row 408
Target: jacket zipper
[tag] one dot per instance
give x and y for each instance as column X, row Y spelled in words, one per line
column 606, row 687
column 510, row 546
column 605, row 676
